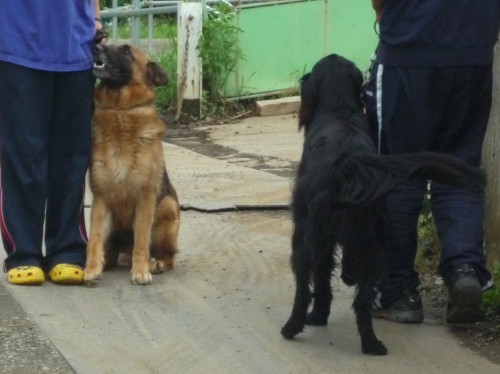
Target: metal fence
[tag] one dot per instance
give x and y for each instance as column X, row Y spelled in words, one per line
column 140, row 8
column 134, row 11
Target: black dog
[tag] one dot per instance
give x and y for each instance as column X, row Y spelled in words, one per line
column 339, row 197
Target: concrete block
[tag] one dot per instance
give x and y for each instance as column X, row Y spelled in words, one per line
column 284, row 105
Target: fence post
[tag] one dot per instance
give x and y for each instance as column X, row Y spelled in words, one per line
column 491, row 164
column 189, row 28
column 136, row 24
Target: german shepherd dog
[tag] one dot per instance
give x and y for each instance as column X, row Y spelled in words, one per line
column 338, row 201
column 135, row 208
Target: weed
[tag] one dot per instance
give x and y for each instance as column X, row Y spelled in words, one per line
column 219, row 50
column 429, row 254
column 163, row 27
column 491, row 298
column 109, row 3
column 166, row 95
column 429, row 246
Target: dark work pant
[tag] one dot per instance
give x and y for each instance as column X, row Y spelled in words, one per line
column 45, row 122
column 431, row 109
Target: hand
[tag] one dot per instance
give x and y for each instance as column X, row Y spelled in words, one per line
column 378, row 6
column 101, row 36
column 98, row 23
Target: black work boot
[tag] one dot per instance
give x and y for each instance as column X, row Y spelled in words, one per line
column 407, row 309
column 466, row 296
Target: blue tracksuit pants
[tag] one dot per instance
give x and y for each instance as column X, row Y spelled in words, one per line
column 45, row 120
column 431, row 109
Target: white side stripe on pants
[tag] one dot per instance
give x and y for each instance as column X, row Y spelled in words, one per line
column 378, row 100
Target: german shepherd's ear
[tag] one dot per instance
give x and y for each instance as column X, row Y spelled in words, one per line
column 156, row 75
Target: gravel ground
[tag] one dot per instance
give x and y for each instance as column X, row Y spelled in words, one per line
column 24, row 349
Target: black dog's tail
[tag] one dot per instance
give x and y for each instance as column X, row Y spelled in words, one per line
column 359, row 179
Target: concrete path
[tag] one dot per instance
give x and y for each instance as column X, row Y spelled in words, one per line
column 221, row 309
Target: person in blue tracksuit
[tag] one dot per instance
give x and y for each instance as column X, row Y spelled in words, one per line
column 430, row 89
column 46, row 88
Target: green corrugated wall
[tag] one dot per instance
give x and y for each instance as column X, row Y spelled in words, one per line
column 283, row 41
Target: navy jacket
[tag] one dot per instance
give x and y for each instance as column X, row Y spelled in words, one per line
column 430, row 33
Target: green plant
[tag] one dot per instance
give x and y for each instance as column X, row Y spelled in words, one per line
column 429, row 245
column 491, row 298
column 166, row 95
column 109, row 3
column 429, row 253
column 163, row 27
column 219, row 51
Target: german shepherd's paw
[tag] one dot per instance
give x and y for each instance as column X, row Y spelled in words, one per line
column 161, row 266
column 92, row 276
column 142, row 278
column 93, row 268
